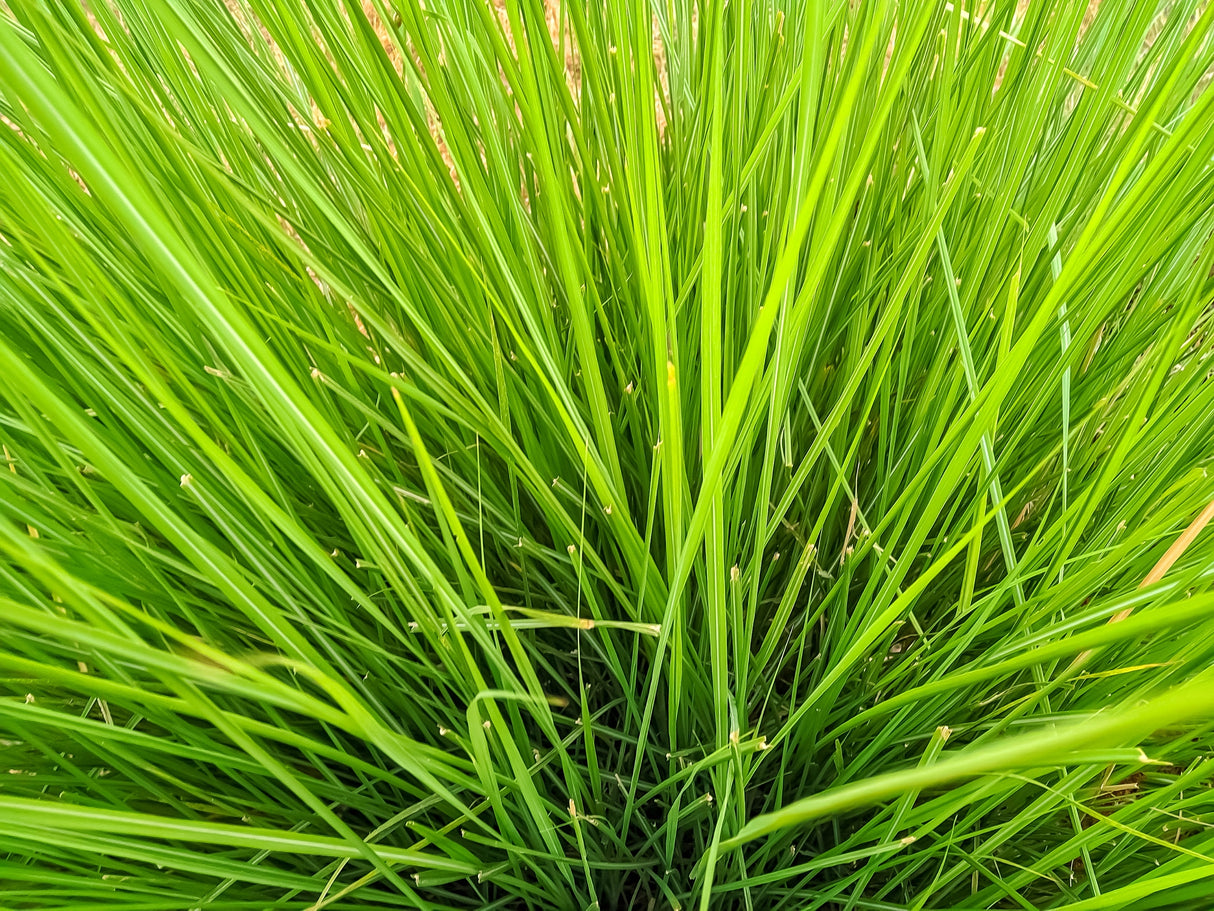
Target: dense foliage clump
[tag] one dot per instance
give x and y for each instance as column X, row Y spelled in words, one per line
column 620, row 455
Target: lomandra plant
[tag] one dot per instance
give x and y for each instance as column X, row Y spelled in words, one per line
column 620, row 456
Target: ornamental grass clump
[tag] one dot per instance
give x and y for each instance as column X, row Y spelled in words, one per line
column 609, row 455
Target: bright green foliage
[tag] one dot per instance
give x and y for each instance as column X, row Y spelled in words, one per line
column 617, row 501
